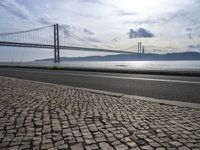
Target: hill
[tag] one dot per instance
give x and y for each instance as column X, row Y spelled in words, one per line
column 135, row 57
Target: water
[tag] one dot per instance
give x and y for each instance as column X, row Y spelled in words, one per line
column 120, row 65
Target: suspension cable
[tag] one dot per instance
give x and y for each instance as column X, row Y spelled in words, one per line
column 25, row 31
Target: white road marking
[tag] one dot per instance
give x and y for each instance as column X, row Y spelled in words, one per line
column 105, row 76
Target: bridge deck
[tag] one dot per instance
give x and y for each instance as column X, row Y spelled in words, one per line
column 31, row 45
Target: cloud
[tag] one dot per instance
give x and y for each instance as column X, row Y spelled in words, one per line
column 92, row 39
column 193, row 32
column 22, row 11
column 106, row 18
column 148, row 21
column 88, row 16
column 92, row 1
column 16, row 9
column 46, row 19
column 125, row 13
column 140, row 33
column 157, row 50
column 189, row 35
column 77, row 33
column 115, row 39
column 188, row 29
column 88, row 32
column 194, row 46
column 68, row 31
column 65, row 30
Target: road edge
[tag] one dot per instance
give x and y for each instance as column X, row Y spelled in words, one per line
column 150, row 72
column 141, row 98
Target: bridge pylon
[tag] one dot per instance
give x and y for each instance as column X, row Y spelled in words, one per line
column 56, row 44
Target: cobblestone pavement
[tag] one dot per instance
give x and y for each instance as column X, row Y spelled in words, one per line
column 41, row 116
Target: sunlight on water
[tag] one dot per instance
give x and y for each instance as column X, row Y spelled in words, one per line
column 118, row 65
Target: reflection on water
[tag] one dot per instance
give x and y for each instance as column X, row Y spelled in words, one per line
column 120, row 65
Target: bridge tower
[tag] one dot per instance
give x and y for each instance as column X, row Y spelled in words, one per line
column 139, row 47
column 56, row 44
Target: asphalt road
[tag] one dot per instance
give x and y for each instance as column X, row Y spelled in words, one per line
column 179, row 88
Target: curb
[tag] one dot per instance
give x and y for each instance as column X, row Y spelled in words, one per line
column 141, row 98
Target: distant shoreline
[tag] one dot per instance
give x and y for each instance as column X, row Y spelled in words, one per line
column 184, row 56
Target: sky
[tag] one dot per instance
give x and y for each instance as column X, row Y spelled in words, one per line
column 162, row 26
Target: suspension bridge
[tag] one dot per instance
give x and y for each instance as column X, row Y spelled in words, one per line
column 48, row 37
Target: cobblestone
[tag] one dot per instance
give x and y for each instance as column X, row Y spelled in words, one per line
column 36, row 116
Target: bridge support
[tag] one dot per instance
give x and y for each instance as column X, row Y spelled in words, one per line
column 139, row 47
column 56, row 44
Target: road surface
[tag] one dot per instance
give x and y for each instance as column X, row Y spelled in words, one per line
column 179, row 88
